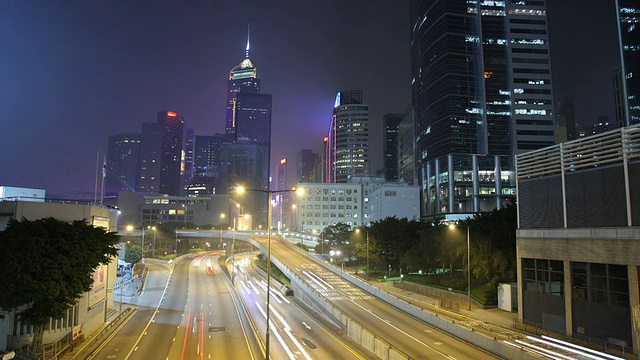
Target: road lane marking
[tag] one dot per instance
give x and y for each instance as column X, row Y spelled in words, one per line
column 404, row 332
column 186, row 334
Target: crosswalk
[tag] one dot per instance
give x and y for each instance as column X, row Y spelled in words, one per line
column 330, row 285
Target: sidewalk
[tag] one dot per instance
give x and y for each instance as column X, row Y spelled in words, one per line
column 125, row 299
column 493, row 322
column 492, row 316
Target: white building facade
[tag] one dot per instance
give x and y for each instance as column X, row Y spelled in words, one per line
column 89, row 313
column 325, row 204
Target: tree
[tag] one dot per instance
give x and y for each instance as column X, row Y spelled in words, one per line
column 133, row 254
column 50, row 263
column 336, row 235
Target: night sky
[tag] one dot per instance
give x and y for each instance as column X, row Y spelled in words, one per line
column 75, row 72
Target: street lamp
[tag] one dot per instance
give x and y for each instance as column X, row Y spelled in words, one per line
column 130, row 228
column 241, row 190
column 367, row 268
column 453, row 226
column 153, row 250
column 220, row 245
column 186, row 210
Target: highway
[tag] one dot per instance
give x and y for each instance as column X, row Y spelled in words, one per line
column 415, row 338
column 294, row 333
column 185, row 312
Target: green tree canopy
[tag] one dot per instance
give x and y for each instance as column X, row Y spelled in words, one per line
column 48, row 264
column 133, row 254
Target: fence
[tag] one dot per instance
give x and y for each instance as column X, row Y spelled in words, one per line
column 587, row 341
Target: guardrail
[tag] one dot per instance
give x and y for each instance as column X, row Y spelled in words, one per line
column 491, row 345
column 107, row 329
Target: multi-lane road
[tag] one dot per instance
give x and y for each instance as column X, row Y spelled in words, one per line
column 413, row 337
column 186, row 311
column 191, row 310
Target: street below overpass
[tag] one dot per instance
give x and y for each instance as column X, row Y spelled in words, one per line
column 186, row 311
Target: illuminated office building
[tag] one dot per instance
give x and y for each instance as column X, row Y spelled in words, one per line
column 161, row 148
column 122, row 162
column 628, row 12
column 481, row 85
column 348, row 140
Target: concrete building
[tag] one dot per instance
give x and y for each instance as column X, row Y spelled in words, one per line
column 12, row 193
column 382, row 199
column 578, row 249
column 89, row 313
column 325, row 204
column 393, row 199
column 139, row 209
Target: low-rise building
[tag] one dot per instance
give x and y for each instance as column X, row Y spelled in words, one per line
column 325, row 204
column 89, row 313
column 140, row 209
column 578, row 237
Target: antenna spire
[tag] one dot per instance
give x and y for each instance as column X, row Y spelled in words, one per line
column 246, row 53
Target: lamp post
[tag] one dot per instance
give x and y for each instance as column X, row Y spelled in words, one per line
column 270, row 193
column 367, row 268
column 153, row 250
column 186, row 210
column 220, row 244
column 453, row 226
column 130, row 228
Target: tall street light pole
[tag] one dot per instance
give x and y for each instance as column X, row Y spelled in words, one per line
column 367, row 268
column 186, row 210
column 153, row 250
column 270, row 193
column 453, row 226
column 220, row 244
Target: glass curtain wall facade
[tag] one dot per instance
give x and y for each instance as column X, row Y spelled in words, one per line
column 629, row 38
column 348, row 146
column 122, row 162
column 481, row 94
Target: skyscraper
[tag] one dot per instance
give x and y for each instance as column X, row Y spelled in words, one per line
column 122, row 162
column 187, row 162
column 161, row 147
column 279, row 199
column 249, row 111
column 481, row 93
column 253, row 124
column 206, row 161
column 242, row 79
column 628, row 12
column 391, row 122
column 306, row 160
column 348, row 143
column 248, row 122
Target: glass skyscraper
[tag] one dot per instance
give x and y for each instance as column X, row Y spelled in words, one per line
column 629, row 38
column 348, row 141
column 481, row 85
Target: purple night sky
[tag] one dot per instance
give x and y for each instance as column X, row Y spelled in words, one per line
column 75, row 72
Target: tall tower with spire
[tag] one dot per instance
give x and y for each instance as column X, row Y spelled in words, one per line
column 248, row 125
column 242, row 79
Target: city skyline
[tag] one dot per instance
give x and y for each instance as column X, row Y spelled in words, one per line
column 81, row 74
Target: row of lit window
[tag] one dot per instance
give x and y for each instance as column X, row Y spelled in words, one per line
column 333, row 198
column 330, row 215
column 331, row 207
